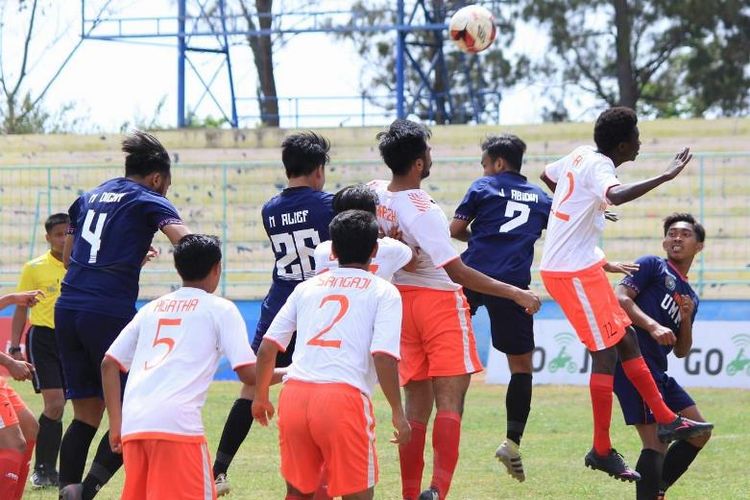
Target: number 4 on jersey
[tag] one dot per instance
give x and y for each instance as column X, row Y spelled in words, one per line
column 93, row 237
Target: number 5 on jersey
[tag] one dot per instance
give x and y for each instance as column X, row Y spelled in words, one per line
column 318, row 339
column 163, row 340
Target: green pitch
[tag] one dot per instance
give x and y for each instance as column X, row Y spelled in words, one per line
column 558, row 435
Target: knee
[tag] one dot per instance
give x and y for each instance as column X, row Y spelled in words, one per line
column 700, row 441
column 53, row 410
column 603, row 361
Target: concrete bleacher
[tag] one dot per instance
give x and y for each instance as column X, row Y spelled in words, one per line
column 223, row 176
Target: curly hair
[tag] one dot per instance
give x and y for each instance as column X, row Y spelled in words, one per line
column 700, row 231
column 402, row 144
column 302, row 153
column 614, row 126
column 509, row 147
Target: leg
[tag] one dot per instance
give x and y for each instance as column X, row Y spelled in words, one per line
column 601, row 385
column 30, row 430
column 236, row 428
column 12, row 452
column 446, row 432
column 650, row 462
column 368, row 494
column 419, row 399
column 50, row 436
column 87, row 415
column 682, row 452
column 517, row 407
column 293, row 493
column 135, row 459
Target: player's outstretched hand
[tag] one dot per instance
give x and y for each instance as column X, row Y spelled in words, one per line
column 678, row 163
column 402, row 432
column 262, row 411
column 622, row 267
column 26, row 299
column 662, row 335
column 20, row 370
column 152, row 253
column 528, row 300
column 115, row 440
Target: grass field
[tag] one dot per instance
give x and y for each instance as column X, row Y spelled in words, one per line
column 557, row 437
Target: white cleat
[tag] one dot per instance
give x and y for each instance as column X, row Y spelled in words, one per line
column 222, row 485
column 508, row 453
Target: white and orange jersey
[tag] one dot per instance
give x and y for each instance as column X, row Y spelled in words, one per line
column 424, row 228
column 172, row 349
column 342, row 317
column 576, row 221
column 392, row 255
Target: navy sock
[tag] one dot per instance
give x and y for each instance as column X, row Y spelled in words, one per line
column 238, row 424
column 106, row 463
column 649, row 467
column 679, row 457
column 518, row 405
column 73, row 451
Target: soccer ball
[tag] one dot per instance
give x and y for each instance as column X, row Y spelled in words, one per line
column 472, row 28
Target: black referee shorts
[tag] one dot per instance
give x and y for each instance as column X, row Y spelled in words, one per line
column 41, row 351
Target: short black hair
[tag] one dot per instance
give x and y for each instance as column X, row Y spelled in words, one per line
column 356, row 197
column 614, row 126
column 354, row 234
column 509, row 147
column 144, row 155
column 402, row 144
column 195, row 255
column 302, row 153
column 55, row 220
column 700, row 231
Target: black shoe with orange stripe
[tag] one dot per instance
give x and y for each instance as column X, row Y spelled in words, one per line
column 613, row 464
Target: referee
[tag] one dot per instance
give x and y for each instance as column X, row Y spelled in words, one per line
column 44, row 273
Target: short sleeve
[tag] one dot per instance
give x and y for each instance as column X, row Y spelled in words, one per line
column 160, row 212
column 74, row 212
column 26, row 282
column 322, row 257
column 554, row 170
column 392, row 255
column 430, row 229
column 467, row 209
column 285, row 323
column 646, row 273
column 122, row 349
column 386, row 336
column 600, row 178
column 233, row 338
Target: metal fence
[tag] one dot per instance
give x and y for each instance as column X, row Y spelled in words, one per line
column 225, row 199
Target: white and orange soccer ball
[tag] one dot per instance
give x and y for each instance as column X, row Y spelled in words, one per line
column 472, row 28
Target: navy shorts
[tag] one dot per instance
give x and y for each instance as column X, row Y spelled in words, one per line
column 511, row 327
column 42, row 352
column 83, row 338
column 635, row 410
column 268, row 310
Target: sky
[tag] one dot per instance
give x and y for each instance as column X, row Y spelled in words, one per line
column 110, row 86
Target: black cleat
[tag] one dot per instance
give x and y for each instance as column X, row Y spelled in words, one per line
column 682, row 428
column 431, row 494
column 613, row 464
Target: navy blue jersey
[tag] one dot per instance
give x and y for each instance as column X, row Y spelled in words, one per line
column 113, row 226
column 507, row 215
column 296, row 220
column 658, row 285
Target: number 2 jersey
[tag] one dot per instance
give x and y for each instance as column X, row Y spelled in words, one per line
column 507, row 215
column 576, row 222
column 113, row 226
column 342, row 317
column 172, row 349
column 659, row 286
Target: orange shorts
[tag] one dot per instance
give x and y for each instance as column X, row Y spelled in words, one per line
column 156, row 469
column 588, row 301
column 11, row 405
column 331, row 425
column 437, row 339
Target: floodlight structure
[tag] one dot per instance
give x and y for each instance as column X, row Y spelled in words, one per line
column 207, row 27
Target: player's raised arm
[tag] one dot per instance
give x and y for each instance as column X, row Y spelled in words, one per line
column 175, row 232
column 552, row 185
column 624, row 193
column 460, row 229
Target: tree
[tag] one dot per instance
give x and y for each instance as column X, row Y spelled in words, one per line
column 466, row 88
column 663, row 57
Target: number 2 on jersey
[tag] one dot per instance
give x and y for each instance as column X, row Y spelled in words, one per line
column 167, row 341
column 571, row 185
column 317, row 340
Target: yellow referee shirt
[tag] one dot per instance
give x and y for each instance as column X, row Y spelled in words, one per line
column 43, row 273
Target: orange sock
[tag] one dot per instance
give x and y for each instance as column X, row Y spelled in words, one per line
column 411, row 457
column 640, row 376
column 10, row 468
column 23, row 472
column 446, row 437
column 600, row 387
